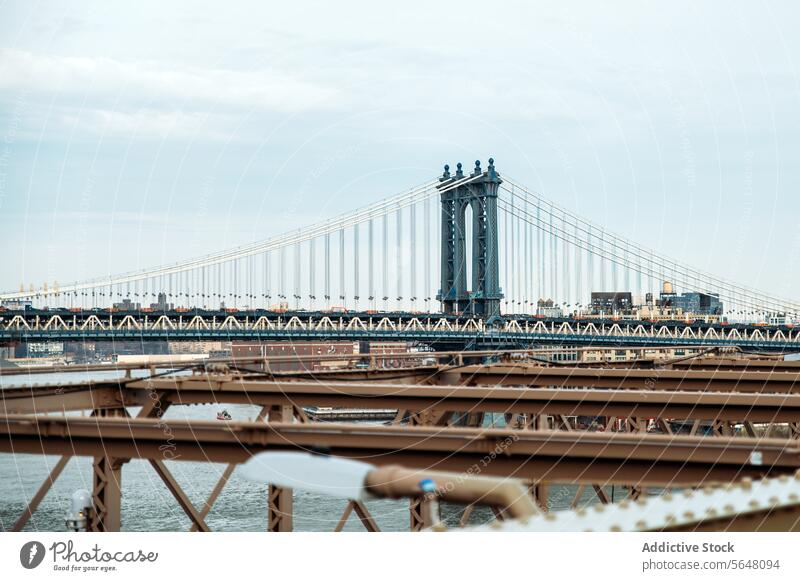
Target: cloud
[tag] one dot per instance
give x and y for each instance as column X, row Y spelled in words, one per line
column 109, row 80
column 145, row 123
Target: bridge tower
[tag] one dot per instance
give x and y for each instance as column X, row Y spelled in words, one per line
column 479, row 192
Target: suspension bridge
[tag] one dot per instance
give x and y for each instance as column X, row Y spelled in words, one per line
column 468, row 260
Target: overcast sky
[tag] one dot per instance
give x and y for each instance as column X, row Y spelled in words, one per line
column 136, row 137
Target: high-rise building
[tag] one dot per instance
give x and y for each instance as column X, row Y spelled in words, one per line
column 610, row 303
column 696, row 303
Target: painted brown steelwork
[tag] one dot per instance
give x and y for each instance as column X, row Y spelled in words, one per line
column 711, row 405
column 644, row 459
column 646, row 379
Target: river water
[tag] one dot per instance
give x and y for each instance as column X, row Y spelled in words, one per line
column 147, row 505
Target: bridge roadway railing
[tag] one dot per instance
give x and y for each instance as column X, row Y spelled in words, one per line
column 439, row 329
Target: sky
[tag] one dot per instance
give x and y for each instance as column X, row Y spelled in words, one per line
column 132, row 136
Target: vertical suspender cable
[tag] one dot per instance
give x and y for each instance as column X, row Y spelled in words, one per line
column 267, row 273
column 519, row 245
column 341, row 266
column 551, row 259
column 327, row 270
column 614, row 274
column 296, row 261
column 437, row 248
column 282, row 274
column 385, row 273
column 639, row 269
column 626, row 268
column 356, row 257
column 602, row 264
column 371, row 266
column 312, row 270
column 427, row 252
column 565, row 275
column 578, row 268
column 506, row 259
column 526, row 271
column 539, row 253
column 235, row 265
column 399, row 254
column 590, row 262
column 413, row 249
column 512, row 278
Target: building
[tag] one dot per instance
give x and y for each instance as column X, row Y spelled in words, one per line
column 126, row 305
column 332, row 354
column 197, row 347
column 162, row 304
column 779, row 319
column 546, row 308
column 17, row 304
column 49, row 349
column 624, row 354
column 695, row 303
column 611, row 303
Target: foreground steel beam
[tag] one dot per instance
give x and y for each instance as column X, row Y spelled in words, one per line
column 55, row 398
column 647, row 379
column 736, row 363
column 754, row 407
column 552, row 456
column 619, row 403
